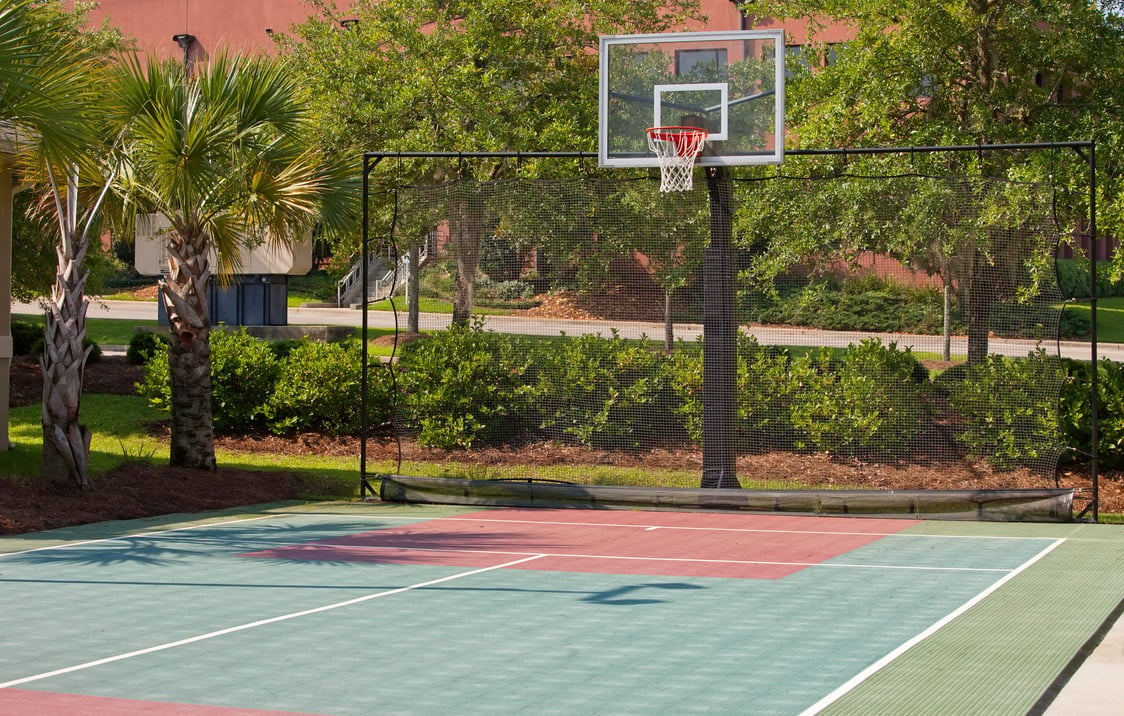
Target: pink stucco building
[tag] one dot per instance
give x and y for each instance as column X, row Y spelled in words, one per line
column 168, row 27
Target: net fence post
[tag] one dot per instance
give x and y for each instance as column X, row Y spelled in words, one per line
column 1094, row 385
column 364, row 421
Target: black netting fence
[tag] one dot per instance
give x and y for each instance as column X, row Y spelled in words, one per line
column 883, row 322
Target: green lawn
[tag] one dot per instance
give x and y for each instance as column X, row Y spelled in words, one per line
column 1110, row 317
column 103, row 331
column 117, row 424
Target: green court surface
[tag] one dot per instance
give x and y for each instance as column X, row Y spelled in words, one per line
column 360, row 609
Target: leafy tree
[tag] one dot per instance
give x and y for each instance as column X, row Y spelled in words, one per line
column 222, row 153
column 487, row 75
column 968, row 72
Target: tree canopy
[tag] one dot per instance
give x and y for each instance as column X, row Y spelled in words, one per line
column 487, row 75
column 963, row 72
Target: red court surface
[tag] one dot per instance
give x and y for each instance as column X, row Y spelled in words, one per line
column 19, row 702
column 641, row 543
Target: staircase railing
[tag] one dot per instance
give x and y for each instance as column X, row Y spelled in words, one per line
column 383, row 279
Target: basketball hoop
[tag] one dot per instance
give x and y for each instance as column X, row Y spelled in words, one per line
column 676, row 148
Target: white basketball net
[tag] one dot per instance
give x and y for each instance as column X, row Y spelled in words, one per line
column 676, row 148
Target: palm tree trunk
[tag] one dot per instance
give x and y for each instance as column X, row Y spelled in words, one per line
column 184, row 293
column 66, row 442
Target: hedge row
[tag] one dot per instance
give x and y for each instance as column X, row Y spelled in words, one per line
column 284, row 387
column 467, row 388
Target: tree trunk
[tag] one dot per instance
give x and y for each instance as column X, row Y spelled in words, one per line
column 979, row 294
column 413, row 291
column 466, row 235
column 184, row 293
column 668, row 325
column 66, row 442
column 946, row 329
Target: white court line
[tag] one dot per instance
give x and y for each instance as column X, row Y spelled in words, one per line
column 252, row 625
column 513, row 553
column 884, row 661
column 157, row 533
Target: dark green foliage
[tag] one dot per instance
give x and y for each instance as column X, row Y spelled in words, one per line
column 243, row 371
column 1073, row 278
column 319, row 387
column 1076, row 412
column 605, row 393
column 466, row 386
column 143, row 345
column 857, row 306
column 865, row 400
column 1024, row 320
column 1010, row 410
column 501, row 258
column 1074, row 325
column 318, row 284
column 94, row 355
column 764, row 395
column 27, row 337
column 284, row 347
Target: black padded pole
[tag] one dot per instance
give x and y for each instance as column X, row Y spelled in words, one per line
column 719, row 337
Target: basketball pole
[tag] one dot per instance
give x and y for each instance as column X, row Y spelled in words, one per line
column 720, row 329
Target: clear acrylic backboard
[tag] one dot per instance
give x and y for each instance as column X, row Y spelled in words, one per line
column 729, row 83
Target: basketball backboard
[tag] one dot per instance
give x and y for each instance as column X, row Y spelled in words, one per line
column 729, row 83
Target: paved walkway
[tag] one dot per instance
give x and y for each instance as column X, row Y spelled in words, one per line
column 526, row 325
column 1097, row 689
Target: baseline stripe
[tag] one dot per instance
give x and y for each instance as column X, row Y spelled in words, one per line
column 252, row 625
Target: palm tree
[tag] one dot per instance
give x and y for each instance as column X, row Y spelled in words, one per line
column 43, row 81
column 219, row 151
column 45, row 94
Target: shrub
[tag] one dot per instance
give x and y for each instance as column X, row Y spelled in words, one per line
column 1009, row 409
column 243, row 371
column 504, row 291
column 865, row 400
column 1073, row 279
column 143, row 345
column 764, row 395
column 605, row 392
column 319, row 388
column 465, row 386
column 859, row 305
column 94, row 355
column 156, row 387
column 282, row 348
column 1076, row 415
column 27, row 337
